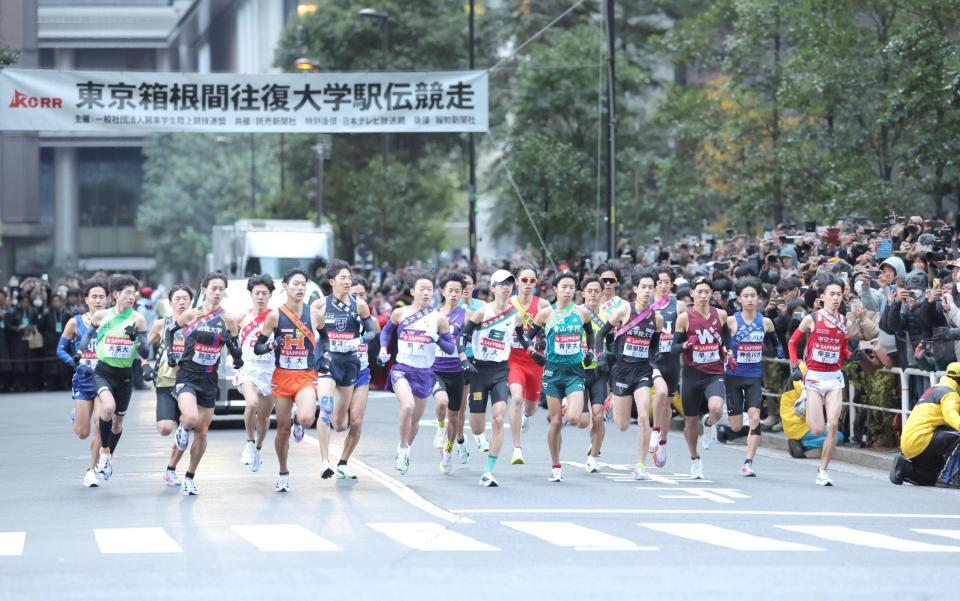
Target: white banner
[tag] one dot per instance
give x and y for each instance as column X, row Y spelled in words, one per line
column 112, row 101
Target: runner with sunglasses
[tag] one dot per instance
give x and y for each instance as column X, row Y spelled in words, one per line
column 526, row 364
column 666, row 374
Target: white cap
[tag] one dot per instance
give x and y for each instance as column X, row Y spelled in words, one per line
column 501, row 275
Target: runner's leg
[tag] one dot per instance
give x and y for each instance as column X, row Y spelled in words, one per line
column 284, row 424
column 833, row 404
column 641, row 398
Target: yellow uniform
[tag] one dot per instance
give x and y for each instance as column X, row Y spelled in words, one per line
column 939, row 406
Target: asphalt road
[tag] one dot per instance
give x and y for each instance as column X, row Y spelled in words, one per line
column 388, row 536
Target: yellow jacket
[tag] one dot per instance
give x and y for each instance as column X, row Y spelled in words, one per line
column 939, row 406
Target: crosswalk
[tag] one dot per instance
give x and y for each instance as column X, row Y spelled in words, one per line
column 502, row 536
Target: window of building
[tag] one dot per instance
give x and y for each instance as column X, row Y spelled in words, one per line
column 110, row 181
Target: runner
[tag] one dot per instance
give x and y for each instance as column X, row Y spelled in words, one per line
column 121, row 335
column 744, row 384
column 563, row 377
column 255, row 379
column 361, row 390
column 825, row 353
column 421, row 329
column 526, row 365
column 610, row 301
column 168, row 359
column 636, row 329
column 206, row 331
column 85, row 403
column 448, row 391
column 343, row 318
column 471, row 305
column 666, row 375
column 596, row 373
column 294, row 379
column 700, row 332
column 489, row 329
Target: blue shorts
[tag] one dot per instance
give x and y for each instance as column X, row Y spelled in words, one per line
column 364, row 379
column 83, row 388
column 344, row 369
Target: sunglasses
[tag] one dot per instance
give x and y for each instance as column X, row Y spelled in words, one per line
column 609, row 280
column 528, row 280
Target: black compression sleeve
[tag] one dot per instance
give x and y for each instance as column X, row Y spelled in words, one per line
column 465, row 335
column 260, row 347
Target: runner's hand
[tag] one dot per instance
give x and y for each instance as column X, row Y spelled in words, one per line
column 323, row 364
column 149, row 374
column 131, row 331
column 84, row 370
column 382, row 357
column 468, row 366
column 237, row 362
column 588, row 358
column 795, row 374
column 538, row 358
column 172, row 361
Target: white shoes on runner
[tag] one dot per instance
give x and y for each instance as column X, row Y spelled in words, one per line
column 660, row 455
column 170, row 478
column 326, row 471
column 182, row 438
column 345, row 473
column 640, row 472
column 487, row 479
column 823, row 479
column 592, row 467
column 483, row 445
column 517, row 458
column 524, row 422
column 746, row 469
column 246, row 457
column 189, row 488
column 297, row 430
column 440, row 438
column 105, row 465
column 709, row 433
column 446, row 461
column 282, row 484
column 462, row 453
column 257, row 462
column 556, row 475
column 90, row 479
column 402, row 462
column 696, row 469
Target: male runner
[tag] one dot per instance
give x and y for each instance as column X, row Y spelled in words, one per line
column 471, row 305
column 826, row 332
column 744, row 383
column 361, row 389
column 596, row 373
column 490, row 329
column 85, row 404
column 526, row 365
column 666, row 375
column 255, row 379
column 448, row 392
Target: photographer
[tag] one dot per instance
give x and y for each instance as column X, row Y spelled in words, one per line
column 910, row 318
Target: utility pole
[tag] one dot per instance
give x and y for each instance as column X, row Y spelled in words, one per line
column 472, row 184
column 611, row 133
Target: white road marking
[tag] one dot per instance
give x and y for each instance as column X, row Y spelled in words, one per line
column 274, row 538
column 432, row 422
column 135, row 540
column 429, row 536
column 725, row 537
column 863, row 538
column 717, row 495
column 11, row 543
column 395, row 486
column 654, row 475
column 568, row 534
column 631, row 511
column 954, row 534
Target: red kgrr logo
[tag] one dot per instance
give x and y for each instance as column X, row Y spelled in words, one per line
column 22, row 101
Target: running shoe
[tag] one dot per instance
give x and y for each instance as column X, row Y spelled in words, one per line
column 556, row 475
column 823, row 479
column 592, row 467
column 696, row 469
column 90, row 479
column 406, row 461
column 326, row 471
column 487, row 479
column 524, row 422
column 709, row 433
column 345, row 473
column 440, row 438
column 182, row 438
column 257, row 462
column 462, row 453
column 640, row 472
column 398, row 460
column 189, row 488
column 297, row 432
column 654, row 442
column 73, row 415
column 105, row 465
column 282, row 484
column 170, row 478
column 446, row 461
column 608, row 408
column 517, row 458
column 800, row 405
column 746, row 469
column 246, row 457
column 660, row 455
column 483, row 445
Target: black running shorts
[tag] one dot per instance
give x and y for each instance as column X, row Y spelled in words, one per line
column 696, row 387
column 452, row 384
column 490, row 383
column 116, row 380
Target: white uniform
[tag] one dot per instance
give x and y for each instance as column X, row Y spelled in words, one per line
column 256, row 368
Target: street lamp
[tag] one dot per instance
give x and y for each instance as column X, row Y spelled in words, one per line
column 384, row 18
column 306, row 65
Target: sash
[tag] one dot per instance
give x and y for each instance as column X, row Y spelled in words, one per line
column 558, row 317
column 639, row 317
column 505, row 315
column 663, row 302
column 524, row 314
column 252, row 326
column 411, row 319
column 747, row 329
column 594, row 317
column 340, row 306
column 202, row 320
column 833, row 320
column 307, row 332
column 117, row 320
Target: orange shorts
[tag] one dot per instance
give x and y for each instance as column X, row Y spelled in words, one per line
column 288, row 382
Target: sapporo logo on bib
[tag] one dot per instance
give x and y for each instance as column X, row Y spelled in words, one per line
column 205, row 354
column 749, row 352
column 118, row 347
column 567, row 344
column 293, row 352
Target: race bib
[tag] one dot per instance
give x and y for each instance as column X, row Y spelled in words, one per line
column 637, row 347
column 566, row 344
column 705, row 353
column 343, row 342
column 204, row 354
column 666, row 339
column 413, row 343
column 749, row 352
column 89, row 356
column 827, row 356
column 294, row 353
column 118, row 347
column 490, row 348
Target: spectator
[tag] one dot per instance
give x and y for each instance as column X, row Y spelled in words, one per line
column 56, row 375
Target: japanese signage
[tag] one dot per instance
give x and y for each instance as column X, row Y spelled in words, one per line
column 112, row 101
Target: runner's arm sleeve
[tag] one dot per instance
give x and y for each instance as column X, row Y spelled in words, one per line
column 678, row 340
column 605, row 329
column 527, row 339
column 792, row 346
column 233, row 347
column 260, row 347
column 588, row 329
column 725, row 336
column 654, row 348
column 773, row 339
column 85, row 341
column 386, row 333
column 465, row 335
column 446, row 343
column 64, row 351
column 323, row 341
column 143, row 347
column 369, row 329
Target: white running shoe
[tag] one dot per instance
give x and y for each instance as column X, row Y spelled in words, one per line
column 483, row 445
column 696, row 469
column 326, row 471
column 282, row 484
column 297, row 432
column 257, row 462
column 823, row 479
column 406, row 461
column 345, row 473
column 524, row 422
column 73, row 415
column 182, row 438
column 556, row 475
column 398, row 460
column 170, row 478
column 517, row 458
column 800, row 405
column 746, row 470
column 462, row 453
column 105, row 465
column 709, row 433
column 660, row 455
column 90, row 479
column 446, row 461
column 640, row 472
column 246, row 457
column 440, row 438
column 592, row 467
column 608, row 408
column 189, row 488
column 654, row 442
column 487, row 479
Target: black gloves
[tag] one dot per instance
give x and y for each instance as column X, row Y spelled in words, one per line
column 468, row 366
column 149, row 374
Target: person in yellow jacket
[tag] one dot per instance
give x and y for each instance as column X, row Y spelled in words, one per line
column 930, row 443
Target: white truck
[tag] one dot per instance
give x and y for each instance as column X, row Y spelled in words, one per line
column 253, row 246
